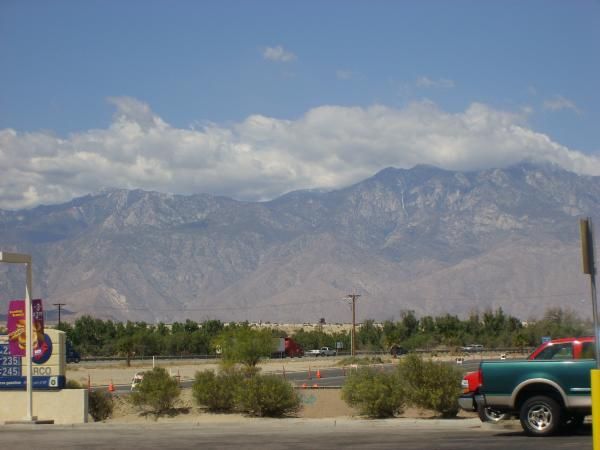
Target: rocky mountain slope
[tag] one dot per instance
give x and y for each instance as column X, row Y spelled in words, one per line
column 425, row 239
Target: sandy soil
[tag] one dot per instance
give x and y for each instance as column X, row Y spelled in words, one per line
column 316, row 404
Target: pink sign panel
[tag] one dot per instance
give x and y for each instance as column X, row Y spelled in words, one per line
column 17, row 338
column 37, row 314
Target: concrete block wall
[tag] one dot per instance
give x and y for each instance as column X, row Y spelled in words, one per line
column 66, row 406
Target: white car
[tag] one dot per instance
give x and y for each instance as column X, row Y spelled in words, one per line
column 473, row 348
column 323, row 351
column 328, row 351
column 136, row 380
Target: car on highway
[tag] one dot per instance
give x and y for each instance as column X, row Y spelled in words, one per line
column 323, row 351
column 472, row 348
column 72, row 355
column 136, row 380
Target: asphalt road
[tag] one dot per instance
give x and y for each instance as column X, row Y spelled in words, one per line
column 269, row 434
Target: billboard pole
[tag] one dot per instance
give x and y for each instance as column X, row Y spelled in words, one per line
column 589, row 267
column 29, row 351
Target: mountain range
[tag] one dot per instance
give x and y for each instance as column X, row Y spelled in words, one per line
column 424, row 239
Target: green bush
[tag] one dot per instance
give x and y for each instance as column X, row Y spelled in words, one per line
column 431, row 385
column 374, row 393
column 100, row 405
column 217, row 392
column 267, row 396
column 158, row 391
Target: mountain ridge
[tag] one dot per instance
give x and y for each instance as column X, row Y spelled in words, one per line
column 403, row 238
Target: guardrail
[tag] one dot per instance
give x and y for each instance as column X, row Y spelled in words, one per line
column 483, row 353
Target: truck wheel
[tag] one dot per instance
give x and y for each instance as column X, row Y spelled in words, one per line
column 490, row 415
column 540, row 416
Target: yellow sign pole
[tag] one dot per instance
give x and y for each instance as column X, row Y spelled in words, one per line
column 595, row 374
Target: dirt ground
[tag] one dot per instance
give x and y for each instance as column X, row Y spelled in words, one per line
column 316, row 403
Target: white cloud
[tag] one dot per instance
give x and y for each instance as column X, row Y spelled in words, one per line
column 263, row 157
column 278, row 54
column 426, row 82
column 558, row 102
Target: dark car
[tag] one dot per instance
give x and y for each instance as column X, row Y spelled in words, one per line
column 396, row 350
column 73, row 355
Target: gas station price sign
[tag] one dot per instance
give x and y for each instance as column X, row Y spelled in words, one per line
column 10, row 366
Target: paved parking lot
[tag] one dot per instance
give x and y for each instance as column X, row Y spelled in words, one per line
column 288, row 434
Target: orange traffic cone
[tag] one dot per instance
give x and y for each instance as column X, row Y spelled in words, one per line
column 303, row 385
column 111, row 387
column 318, row 373
column 315, row 386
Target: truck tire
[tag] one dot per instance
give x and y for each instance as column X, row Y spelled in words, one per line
column 490, row 415
column 540, row 416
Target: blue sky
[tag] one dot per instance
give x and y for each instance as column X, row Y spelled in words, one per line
column 252, row 99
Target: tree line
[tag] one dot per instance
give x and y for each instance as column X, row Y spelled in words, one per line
column 493, row 329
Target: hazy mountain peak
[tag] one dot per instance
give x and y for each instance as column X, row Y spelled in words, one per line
column 423, row 238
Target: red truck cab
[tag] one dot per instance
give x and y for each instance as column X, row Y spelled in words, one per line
column 563, row 348
column 293, row 349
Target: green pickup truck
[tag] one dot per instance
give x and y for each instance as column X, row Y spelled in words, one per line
column 546, row 395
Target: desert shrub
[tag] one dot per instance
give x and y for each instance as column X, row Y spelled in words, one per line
column 100, row 405
column 267, row 396
column 374, row 393
column 72, row 384
column 158, row 391
column 431, row 385
column 217, row 392
column 362, row 361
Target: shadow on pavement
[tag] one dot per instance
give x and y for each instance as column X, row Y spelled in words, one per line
column 583, row 430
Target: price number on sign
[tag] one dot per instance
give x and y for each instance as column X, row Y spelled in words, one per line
column 10, row 360
column 10, row 371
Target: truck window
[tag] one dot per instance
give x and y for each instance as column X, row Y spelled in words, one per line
column 557, row 351
column 588, row 350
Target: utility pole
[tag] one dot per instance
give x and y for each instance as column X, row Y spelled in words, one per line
column 60, row 305
column 353, row 297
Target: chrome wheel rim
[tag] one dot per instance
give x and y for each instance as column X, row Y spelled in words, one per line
column 493, row 416
column 539, row 417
